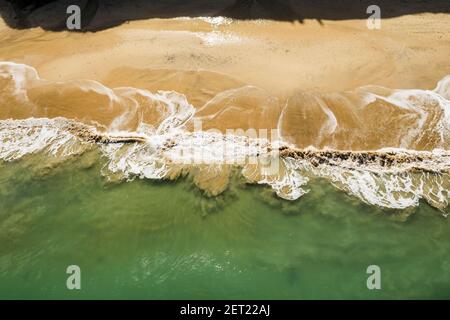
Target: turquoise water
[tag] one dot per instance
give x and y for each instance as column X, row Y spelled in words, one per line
column 165, row 240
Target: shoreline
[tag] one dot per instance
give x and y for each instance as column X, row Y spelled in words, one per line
column 388, row 178
column 280, row 57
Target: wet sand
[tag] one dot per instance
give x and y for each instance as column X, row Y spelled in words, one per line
column 279, row 56
column 288, row 63
column 86, row 135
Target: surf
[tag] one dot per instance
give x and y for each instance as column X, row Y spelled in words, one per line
column 153, row 136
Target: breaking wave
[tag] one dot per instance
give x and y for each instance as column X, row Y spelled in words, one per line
column 153, row 136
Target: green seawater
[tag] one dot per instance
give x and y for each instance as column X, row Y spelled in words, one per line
column 166, row 240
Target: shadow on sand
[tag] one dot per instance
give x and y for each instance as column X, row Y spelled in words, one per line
column 102, row 14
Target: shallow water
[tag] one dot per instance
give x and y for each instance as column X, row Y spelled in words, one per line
column 357, row 134
column 162, row 135
column 146, row 239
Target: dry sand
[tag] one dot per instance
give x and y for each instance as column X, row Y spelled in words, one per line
column 408, row 52
column 202, row 58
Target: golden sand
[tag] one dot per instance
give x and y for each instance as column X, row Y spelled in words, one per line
column 298, row 77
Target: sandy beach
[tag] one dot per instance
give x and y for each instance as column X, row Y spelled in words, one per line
column 409, row 51
column 272, row 65
column 224, row 149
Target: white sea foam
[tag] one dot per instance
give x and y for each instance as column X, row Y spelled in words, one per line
column 443, row 88
column 165, row 149
column 21, row 76
column 430, row 107
column 157, row 158
column 331, row 125
column 19, row 138
column 391, row 190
